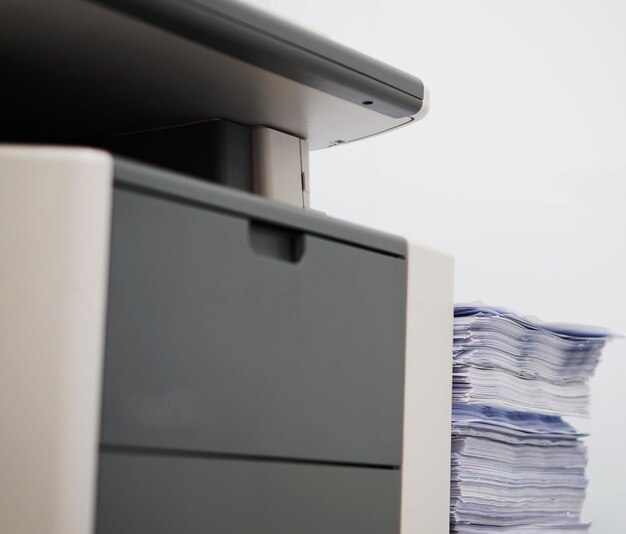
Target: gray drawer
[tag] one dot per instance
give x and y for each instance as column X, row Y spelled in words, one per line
column 166, row 495
column 229, row 336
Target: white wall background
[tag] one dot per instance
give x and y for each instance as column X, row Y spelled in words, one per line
column 519, row 170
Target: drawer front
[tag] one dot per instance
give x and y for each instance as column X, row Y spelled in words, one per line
column 225, row 336
column 164, row 495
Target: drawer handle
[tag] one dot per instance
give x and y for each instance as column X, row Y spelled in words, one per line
column 276, row 241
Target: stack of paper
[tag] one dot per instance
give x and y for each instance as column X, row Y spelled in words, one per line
column 517, row 467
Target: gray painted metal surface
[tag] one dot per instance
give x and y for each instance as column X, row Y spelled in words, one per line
column 166, row 495
column 231, row 337
column 129, row 174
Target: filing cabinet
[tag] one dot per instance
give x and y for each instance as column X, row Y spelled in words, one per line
column 233, row 342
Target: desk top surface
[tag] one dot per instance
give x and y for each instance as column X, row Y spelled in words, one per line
column 81, row 68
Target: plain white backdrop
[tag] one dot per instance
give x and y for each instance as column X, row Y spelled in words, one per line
column 519, row 170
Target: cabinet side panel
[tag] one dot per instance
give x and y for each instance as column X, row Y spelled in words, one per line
column 428, row 393
column 54, row 227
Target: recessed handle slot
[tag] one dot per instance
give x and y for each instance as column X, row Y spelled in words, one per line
column 276, row 242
